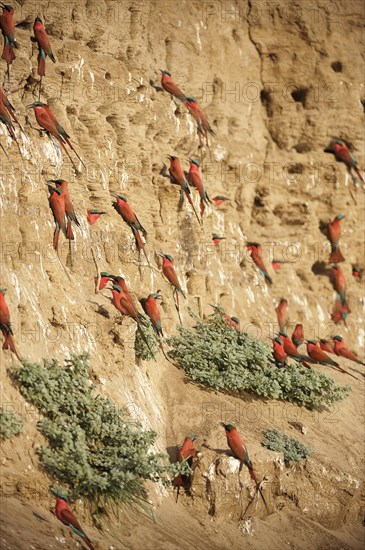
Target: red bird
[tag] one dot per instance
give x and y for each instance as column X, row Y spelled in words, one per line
column 178, row 177
column 217, row 239
column 340, row 312
column 356, row 272
column 318, row 355
column 70, row 212
column 9, row 107
column 298, row 335
column 150, row 307
column 120, row 281
column 276, row 264
column 334, row 234
column 5, row 324
column 168, row 270
column 218, row 310
column 342, row 153
column 186, row 453
column 281, row 312
column 104, row 279
column 8, row 29
column 256, row 255
column 291, row 350
column 196, row 180
column 343, row 351
column 203, row 125
column 125, row 211
column 279, row 353
column 219, row 199
column 5, row 118
column 66, row 516
column 57, row 204
column 339, row 282
column 47, row 120
column 44, row 46
column 326, row 346
column 239, row 449
column 93, row 216
column 235, row 323
column 169, row 86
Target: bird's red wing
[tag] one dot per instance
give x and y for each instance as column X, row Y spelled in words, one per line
column 46, row 122
column 196, row 180
column 172, row 88
column 237, row 447
column 171, row 276
column 42, row 39
column 68, row 518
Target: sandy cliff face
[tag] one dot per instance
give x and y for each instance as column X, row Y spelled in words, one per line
column 276, row 81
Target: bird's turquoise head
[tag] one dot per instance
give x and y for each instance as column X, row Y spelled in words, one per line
column 340, row 216
column 117, row 288
column 283, row 334
column 221, row 198
column 38, row 20
column 3, row 291
column 58, row 493
column 6, row 7
column 251, row 243
column 57, row 182
column 171, row 157
column 165, row 72
column 227, row 427
column 337, row 338
column 335, row 267
column 168, row 257
column 192, row 437
column 235, row 320
column 217, row 237
column 311, row 342
column 278, row 341
column 155, row 295
column 106, row 274
column 191, row 99
column 55, row 190
column 35, row 104
column 194, row 161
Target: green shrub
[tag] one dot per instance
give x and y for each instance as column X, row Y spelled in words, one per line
column 293, row 449
column 94, row 449
column 142, row 350
column 10, row 425
column 224, row 359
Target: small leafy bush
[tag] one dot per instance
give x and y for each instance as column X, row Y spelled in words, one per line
column 293, row 449
column 223, row 358
column 142, row 350
column 94, row 449
column 10, row 425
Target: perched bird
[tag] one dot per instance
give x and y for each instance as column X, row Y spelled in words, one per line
column 120, row 281
column 178, row 177
column 318, row 355
column 125, row 211
column 104, row 279
column 281, row 312
column 202, row 122
column 196, row 180
column 66, row 516
column 168, row 270
column 47, row 120
column 44, row 46
column 356, row 273
column 276, row 264
column 235, row 322
column 279, row 353
column 6, row 118
column 9, row 107
column 69, row 209
column 342, row 153
column 340, row 312
column 298, row 335
column 339, row 282
column 5, row 324
column 169, row 86
column 150, row 307
column 219, row 200
column 291, row 350
column 342, row 350
column 334, row 234
column 93, row 216
column 219, row 310
column 57, row 204
column 217, row 239
column 256, row 255
column 239, row 449
column 187, row 452
column 8, row 30
column 325, row 345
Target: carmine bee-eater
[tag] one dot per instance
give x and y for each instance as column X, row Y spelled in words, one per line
column 326, row 346
column 217, row 239
column 104, row 279
column 57, row 204
column 219, row 200
column 8, row 29
column 69, row 209
column 5, row 324
column 196, row 180
column 47, row 120
column 291, row 350
column 202, row 122
column 320, row 357
column 276, row 264
column 178, row 177
column 340, row 311
column 150, row 307
column 93, row 215
column 342, row 153
column 256, row 255
column 230, row 321
column 239, row 451
column 298, row 335
column 281, row 312
column 339, row 282
column 44, row 46
column 168, row 270
column 356, row 273
column 235, row 323
column 279, row 353
column 334, row 234
column 120, row 281
column 9, row 107
column 67, row 517
column 169, row 86
column 187, row 452
column 5, row 118
column 342, row 350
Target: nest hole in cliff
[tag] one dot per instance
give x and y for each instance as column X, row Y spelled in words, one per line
column 266, row 101
column 337, row 66
column 300, row 95
column 363, row 104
